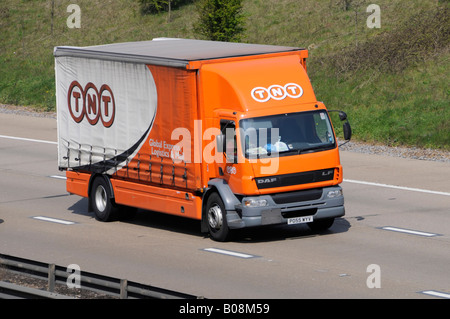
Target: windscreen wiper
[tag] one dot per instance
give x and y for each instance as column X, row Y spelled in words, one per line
column 313, row 148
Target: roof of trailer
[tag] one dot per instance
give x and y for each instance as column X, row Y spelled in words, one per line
column 170, row 52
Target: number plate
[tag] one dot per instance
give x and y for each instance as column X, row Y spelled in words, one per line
column 300, row 220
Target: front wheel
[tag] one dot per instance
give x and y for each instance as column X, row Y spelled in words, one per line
column 102, row 202
column 321, row 224
column 217, row 218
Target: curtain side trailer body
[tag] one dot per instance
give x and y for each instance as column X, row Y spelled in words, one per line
column 226, row 133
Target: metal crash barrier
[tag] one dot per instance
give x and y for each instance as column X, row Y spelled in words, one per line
column 120, row 288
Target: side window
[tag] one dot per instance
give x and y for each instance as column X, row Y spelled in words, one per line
column 228, row 129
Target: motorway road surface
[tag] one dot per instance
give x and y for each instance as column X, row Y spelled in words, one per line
column 357, row 258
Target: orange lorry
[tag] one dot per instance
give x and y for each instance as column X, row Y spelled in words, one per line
column 229, row 134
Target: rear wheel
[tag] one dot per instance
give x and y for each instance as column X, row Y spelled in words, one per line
column 217, row 218
column 102, row 202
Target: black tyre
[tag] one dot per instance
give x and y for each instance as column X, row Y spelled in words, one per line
column 102, row 202
column 217, row 218
column 321, row 224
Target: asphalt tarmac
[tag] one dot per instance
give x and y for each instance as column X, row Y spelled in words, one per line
column 393, row 242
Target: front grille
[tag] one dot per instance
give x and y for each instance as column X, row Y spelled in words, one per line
column 297, row 196
column 295, row 179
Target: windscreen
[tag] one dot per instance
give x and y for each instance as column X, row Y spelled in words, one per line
column 287, row 134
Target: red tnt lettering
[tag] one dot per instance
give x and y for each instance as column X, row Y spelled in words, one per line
column 106, row 100
column 77, row 96
column 109, row 110
column 92, row 104
column 96, row 104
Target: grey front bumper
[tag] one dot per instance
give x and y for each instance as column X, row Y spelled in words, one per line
column 274, row 213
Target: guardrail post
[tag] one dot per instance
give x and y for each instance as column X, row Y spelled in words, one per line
column 51, row 277
column 123, row 289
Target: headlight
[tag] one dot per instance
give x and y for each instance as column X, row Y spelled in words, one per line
column 334, row 193
column 255, row 202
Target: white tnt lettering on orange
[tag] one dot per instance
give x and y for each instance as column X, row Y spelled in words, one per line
column 277, row 92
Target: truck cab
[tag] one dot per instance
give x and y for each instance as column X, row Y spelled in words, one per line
column 279, row 158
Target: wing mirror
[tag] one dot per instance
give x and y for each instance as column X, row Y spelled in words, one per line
column 346, row 126
column 347, row 131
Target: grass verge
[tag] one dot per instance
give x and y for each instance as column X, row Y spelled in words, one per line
column 392, row 81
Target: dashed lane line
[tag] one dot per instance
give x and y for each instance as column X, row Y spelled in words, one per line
column 27, row 139
column 54, row 220
column 435, row 293
column 229, row 253
column 409, row 231
column 58, row 177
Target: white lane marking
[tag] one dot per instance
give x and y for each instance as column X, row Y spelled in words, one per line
column 58, row 177
column 409, row 231
column 54, row 220
column 28, row 139
column 436, row 294
column 345, row 180
column 229, row 253
column 397, row 187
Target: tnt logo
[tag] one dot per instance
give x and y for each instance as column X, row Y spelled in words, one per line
column 93, row 103
column 277, row 92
